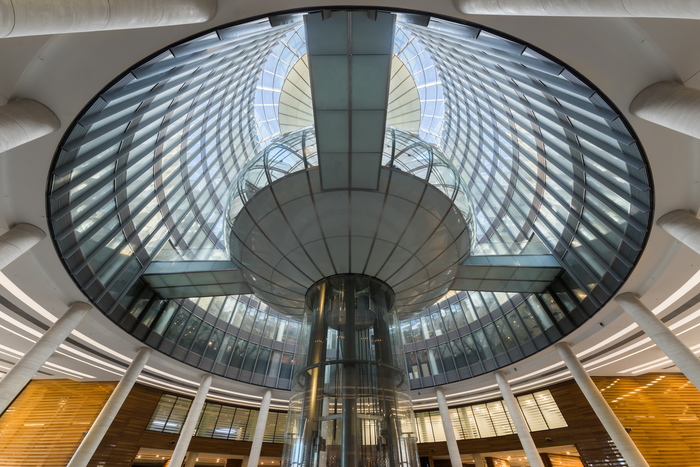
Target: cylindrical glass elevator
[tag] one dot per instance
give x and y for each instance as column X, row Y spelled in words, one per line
column 350, row 405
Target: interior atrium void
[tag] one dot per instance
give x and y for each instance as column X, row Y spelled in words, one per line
column 550, row 174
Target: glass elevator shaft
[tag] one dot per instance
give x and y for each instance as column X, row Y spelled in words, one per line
column 350, row 405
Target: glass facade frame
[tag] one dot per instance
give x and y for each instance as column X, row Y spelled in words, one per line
column 143, row 174
column 491, row 419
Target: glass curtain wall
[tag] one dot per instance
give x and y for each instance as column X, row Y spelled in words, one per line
column 143, row 174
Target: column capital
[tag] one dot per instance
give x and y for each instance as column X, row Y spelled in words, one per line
column 80, row 306
column 671, row 105
column 683, row 226
column 675, row 216
column 562, row 344
column 19, row 239
column 627, row 298
column 29, row 229
column 206, row 380
column 25, row 120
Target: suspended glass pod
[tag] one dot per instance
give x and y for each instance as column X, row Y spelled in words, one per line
column 296, row 151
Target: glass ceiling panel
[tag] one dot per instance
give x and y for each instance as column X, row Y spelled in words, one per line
column 144, row 174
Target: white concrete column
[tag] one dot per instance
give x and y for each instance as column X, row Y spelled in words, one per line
column 452, row 448
column 607, row 417
column 683, row 226
column 478, row 460
column 610, row 8
column 22, row 372
column 17, row 241
column 254, row 456
column 670, row 105
column 533, row 457
column 97, row 431
column 183, row 442
column 24, row 120
column 37, row 17
column 663, row 337
column 191, row 459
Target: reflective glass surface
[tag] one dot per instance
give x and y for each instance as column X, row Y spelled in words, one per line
column 217, row 421
column 296, row 152
column 144, row 173
column 491, row 419
column 469, row 422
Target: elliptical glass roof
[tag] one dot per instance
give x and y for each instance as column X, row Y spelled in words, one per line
column 145, row 171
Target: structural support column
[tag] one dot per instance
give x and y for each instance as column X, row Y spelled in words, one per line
column 452, row 448
column 18, row 240
column 191, row 459
column 254, row 455
column 24, row 120
column 183, row 442
column 478, row 460
column 670, row 105
column 518, row 418
column 683, row 226
column 611, row 8
column 37, row 17
column 607, row 417
column 27, row 366
column 103, row 421
column 664, row 338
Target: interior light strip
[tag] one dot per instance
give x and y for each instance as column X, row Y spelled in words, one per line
column 675, row 296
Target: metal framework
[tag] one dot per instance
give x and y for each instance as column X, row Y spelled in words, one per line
column 144, row 173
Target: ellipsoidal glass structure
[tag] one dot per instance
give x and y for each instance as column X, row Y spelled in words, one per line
column 286, row 231
column 350, row 403
column 143, row 176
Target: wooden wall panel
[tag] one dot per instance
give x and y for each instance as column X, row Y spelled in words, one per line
column 583, row 429
column 48, row 420
column 122, row 441
column 555, row 460
column 152, row 439
column 128, row 434
column 663, row 412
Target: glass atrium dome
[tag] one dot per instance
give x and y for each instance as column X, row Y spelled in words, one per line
column 142, row 178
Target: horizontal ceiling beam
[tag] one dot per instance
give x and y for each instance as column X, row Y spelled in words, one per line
column 191, row 279
column 350, row 56
column 507, row 273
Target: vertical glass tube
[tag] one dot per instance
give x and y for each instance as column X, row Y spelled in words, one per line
column 350, row 405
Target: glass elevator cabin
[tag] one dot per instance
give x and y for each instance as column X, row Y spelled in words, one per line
column 350, row 403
